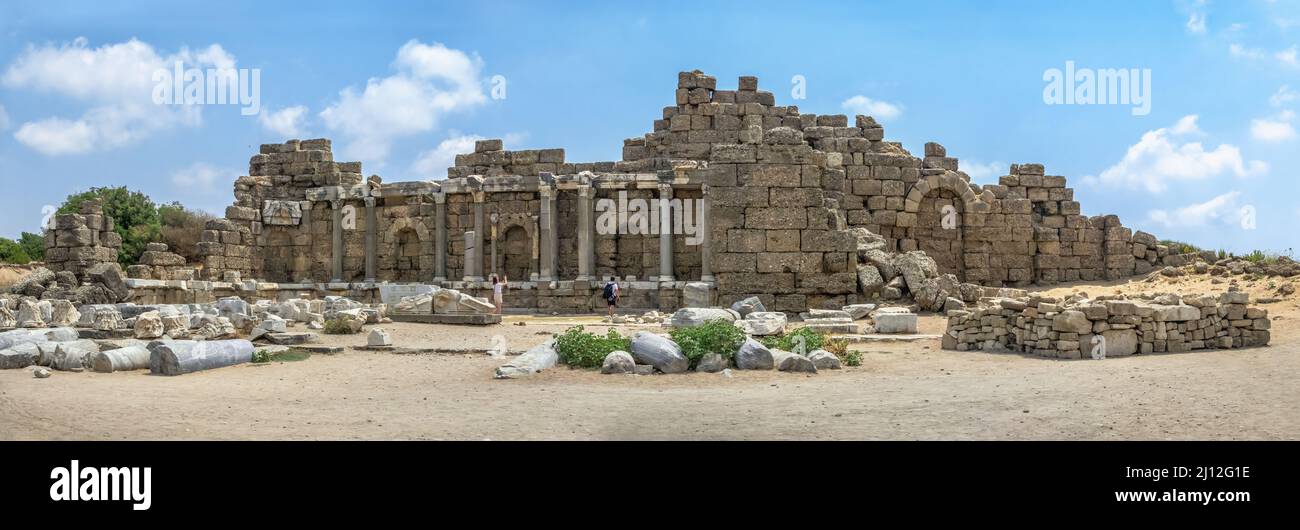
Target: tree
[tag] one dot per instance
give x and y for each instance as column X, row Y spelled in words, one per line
column 11, row 252
column 182, row 228
column 33, row 245
column 135, row 218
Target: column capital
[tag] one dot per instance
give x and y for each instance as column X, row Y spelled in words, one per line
column 440, row 197
column 704, row 189
column 584, row 190
column 370, row 202
column 479, row 196
column 546, row 191
column 336, row 203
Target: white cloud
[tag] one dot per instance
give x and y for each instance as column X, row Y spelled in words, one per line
column 881, row 110
column 114, row 81
column 4, row 118
column 1275, row 129
column 1163, row 157
column 433, row 164
column 200, row 177
column 984, row 172
column 430, row 81
column 1223, row 208
column 1196, row 23
column 1242, row 52
column 287, row 123
column 1288, row 57
column 1283, row 96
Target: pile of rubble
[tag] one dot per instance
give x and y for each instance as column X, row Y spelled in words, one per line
column 159, row 263
column 99, row 284
column 751, row 316
column 1079, row 327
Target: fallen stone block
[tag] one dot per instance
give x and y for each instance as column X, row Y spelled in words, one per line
column 618, row 362
column 895, row 320
column 859, row 311
column 753, row 355
column 694, row 316
column 761, row 324
column 536, row 359
column 121, row 359
column 824, row 360
column 660, row 352
column 176, row 357
column 747, row 306
column 792, row 362
column 712, row 363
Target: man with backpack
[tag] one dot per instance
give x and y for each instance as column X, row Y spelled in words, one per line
column 610, row 293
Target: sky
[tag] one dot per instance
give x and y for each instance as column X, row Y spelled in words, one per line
column 403, row 86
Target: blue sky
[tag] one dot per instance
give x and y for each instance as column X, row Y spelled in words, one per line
column 402, row 86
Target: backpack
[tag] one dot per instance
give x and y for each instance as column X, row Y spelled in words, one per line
column 609, row 291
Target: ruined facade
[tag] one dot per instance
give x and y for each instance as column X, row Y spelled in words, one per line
column 779, row 192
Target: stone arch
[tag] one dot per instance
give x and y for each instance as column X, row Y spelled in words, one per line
column 517, row 240
column 943, row 206
column 407, row 251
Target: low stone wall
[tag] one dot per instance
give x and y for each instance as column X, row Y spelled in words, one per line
column 1082, row 328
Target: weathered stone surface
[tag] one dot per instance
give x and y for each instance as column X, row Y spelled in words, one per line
column 618, row 362
column 176, row 357
column 712, row 363
column 859, row 311
column 379, row 337
column 659, row 352
column 870, row 282
column 29, row 315
column 753, row 355
column 791, row 362
column 148, row 326
column 693, row 316
column 763, row 323
column 748, row 305
column 538, row 358
column 894, row 320
column 63, row 313
column 824, row 360
column 1072, row 322
column 696, row 294
column 916, row 267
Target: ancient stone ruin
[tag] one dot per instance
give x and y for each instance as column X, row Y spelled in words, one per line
column 766, row 201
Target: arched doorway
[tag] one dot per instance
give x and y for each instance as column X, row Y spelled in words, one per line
column 517, row 249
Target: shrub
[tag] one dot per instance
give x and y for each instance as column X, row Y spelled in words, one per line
column 578, row 348
column 1179, row 247
column 182, row 228
column 33, row 245
column 261, row 356
column 804, row 338
column 11, row 252
column 289, row 355
column 715, row 336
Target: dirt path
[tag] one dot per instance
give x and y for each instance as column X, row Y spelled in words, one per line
column 902, row 391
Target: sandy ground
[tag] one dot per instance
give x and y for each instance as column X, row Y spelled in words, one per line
column 902, row 391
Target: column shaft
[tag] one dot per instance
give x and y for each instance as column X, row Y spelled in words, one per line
column 336, row 242
column 372, row 232
column 440, row 237
column 665, row 233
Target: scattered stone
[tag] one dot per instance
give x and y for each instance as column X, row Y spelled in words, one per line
column 747, row 306
column 859, row 311
column 618, row 362
column 40, row 373
column 791, row 362
column 379, row 338
column 894, row 320
column 753, row 355
column 712, row 363
column 176, row 357
column 148, row 326
column 536, row 359
column 693, row 316
column 660, row 352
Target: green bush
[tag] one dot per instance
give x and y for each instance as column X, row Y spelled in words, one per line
column 715, row 336
column 33, row 245
column 840, row 348
column 809, row 339
column 12, row 252
column 289, row 355
column 135, row 218
column 261, row 356
column 579, row 348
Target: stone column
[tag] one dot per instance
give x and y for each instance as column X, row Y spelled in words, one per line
column 492, row 238
column 372, row 233
column 665, row 233
column 585, row 235
column 336, row 244
column 472, row 244
column 476, row 273
column 547, row 229
column 440, row 237
column 704, row 229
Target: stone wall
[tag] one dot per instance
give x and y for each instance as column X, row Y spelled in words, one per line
column 1070, row 329
column 79, row 241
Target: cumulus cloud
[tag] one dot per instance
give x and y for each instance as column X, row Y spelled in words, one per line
column 431, row 80
column 1283, row 96
column 1288, row 57
column 433, row 164
column 1274, row 129
column 1164, row 157
column 1224, row 208
column 114, row 81
column 286, row 123
column 875, row 108
column 200, row 177
column 1196, row 23
column 984, row 172
column 1242, row 52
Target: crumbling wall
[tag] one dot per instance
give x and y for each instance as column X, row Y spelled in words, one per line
column 79, row 241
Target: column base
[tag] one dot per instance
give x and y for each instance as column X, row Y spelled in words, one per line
column 709, row 279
